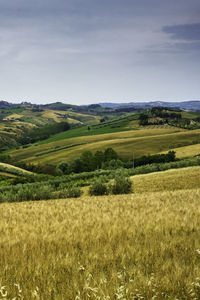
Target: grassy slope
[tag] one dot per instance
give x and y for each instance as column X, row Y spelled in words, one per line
column 48, row 115
column 5, row 174
column 144, row 243
column 190, row 115
column 174, row 179
column 118, row 124
column 141, row 142
column 11, row 169
column 187, row 151
column 89, row 142
column 15, row 122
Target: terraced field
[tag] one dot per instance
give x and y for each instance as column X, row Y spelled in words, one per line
column 139, row 246
column 141, row 142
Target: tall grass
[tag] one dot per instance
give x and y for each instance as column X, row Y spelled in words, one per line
column 139, row 246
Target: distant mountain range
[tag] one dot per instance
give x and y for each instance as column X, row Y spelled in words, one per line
column 187, row 105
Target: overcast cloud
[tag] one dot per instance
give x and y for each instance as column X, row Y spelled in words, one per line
column 87, row 51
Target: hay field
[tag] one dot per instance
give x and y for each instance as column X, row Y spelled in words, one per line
column 142, row 142
column 170, row 180
column 187, row 151
column 56, row 116
column 111, row 247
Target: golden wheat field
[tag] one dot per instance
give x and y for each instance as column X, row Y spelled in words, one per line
column 139, row 246
column 186, row 151
column 170, row 180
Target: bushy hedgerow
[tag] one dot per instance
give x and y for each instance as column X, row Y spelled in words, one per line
column 121, row 184
column 98, row 188
column 69, row 192
column 74, row 192
column 26, row 193
column 46, row 187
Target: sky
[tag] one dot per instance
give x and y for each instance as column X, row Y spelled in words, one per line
column 90, row 51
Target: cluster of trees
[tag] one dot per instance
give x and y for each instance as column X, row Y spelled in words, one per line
column 44, row 132
column 159, row 112
column 162, row 113
column 197, row 119
column 88, row 162
column 37, row 168
column 109, row 159
column 143, row 119
column 156, row 158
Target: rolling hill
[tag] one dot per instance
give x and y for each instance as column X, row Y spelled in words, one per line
column 17, row 120
column 140, row 141
column 93, row 128
column 187, row 105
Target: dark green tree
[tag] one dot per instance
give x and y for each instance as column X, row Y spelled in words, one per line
column 143, row 119
column 62, row 168
column 110, row 154
column 98, row 159
column 87, row 161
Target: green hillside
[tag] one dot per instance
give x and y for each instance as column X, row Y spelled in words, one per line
column 141, row 142
column 10, row 169
column 93, row 128
column 151, row 140
column 18, row 121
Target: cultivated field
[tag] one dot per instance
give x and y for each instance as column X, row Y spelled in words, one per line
column 141, row 142
column 113, row 247
column 170, row 180
column 187, row 151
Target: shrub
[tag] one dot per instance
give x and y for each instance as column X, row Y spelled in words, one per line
column 26, row 193
column 74, row 192
column 121, row 185
column 98, row 188
column 113, row 164
column 68, row 192
column 62, row 168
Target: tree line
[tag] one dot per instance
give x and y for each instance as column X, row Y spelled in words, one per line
column 42, row 133
column 109, row 159
column 88, row 162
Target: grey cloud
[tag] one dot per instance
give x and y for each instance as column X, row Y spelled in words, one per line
column 189, row 32
column 99, row 46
